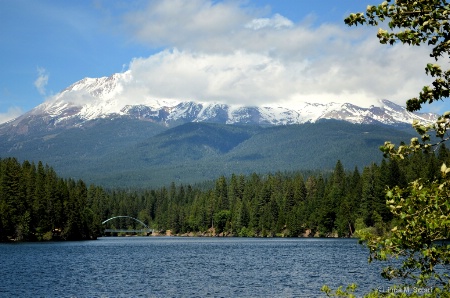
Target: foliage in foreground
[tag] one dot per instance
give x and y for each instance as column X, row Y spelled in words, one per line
column 420, row 240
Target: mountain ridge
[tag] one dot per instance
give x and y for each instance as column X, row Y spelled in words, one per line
column 105, row 98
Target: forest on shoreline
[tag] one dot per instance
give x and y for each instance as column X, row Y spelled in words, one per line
column 36, row 204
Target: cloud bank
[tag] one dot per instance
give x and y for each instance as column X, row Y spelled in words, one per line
column 227, row 52
column 235, row 53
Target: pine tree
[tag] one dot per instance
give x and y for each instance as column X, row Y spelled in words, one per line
column 221, row 194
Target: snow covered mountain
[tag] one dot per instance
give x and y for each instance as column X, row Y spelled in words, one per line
column 105, row 98
column 100, row 130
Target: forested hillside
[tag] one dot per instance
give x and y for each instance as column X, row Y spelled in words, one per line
column 194, row 152
column 35, row 204
column 127, row 153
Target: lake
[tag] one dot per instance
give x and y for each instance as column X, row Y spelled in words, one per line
column 184, row 267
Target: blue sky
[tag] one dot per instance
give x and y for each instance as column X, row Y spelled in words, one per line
column 257, row 51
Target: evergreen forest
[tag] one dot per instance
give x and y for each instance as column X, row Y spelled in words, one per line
column 36, row 204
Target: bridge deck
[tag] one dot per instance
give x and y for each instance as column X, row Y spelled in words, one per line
column 128, row 231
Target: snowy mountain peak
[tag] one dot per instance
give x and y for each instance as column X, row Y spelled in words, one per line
column 106, row 97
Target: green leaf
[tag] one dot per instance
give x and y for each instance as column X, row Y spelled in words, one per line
column 444, row 168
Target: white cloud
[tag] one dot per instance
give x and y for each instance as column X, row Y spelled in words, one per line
column 12, row 113
column 42, row 80
column 236, row 78
column 361, row 74
column 228, row 52
column 277, row 22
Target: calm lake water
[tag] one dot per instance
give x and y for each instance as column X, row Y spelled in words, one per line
column 184, row 267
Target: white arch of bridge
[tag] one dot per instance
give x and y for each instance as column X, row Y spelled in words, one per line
column 125, row 216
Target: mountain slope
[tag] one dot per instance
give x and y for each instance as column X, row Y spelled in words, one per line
column 185, row 154
column 128, row 152
column 77, row 147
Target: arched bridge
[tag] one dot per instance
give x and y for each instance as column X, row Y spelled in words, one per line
column 145, row 231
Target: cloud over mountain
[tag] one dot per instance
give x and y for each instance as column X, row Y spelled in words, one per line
column 13, row 112
column 230, row 52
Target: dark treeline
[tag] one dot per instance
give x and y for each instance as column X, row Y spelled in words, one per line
column 36, row 205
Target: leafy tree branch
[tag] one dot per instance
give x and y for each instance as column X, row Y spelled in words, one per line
column 414, row 23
